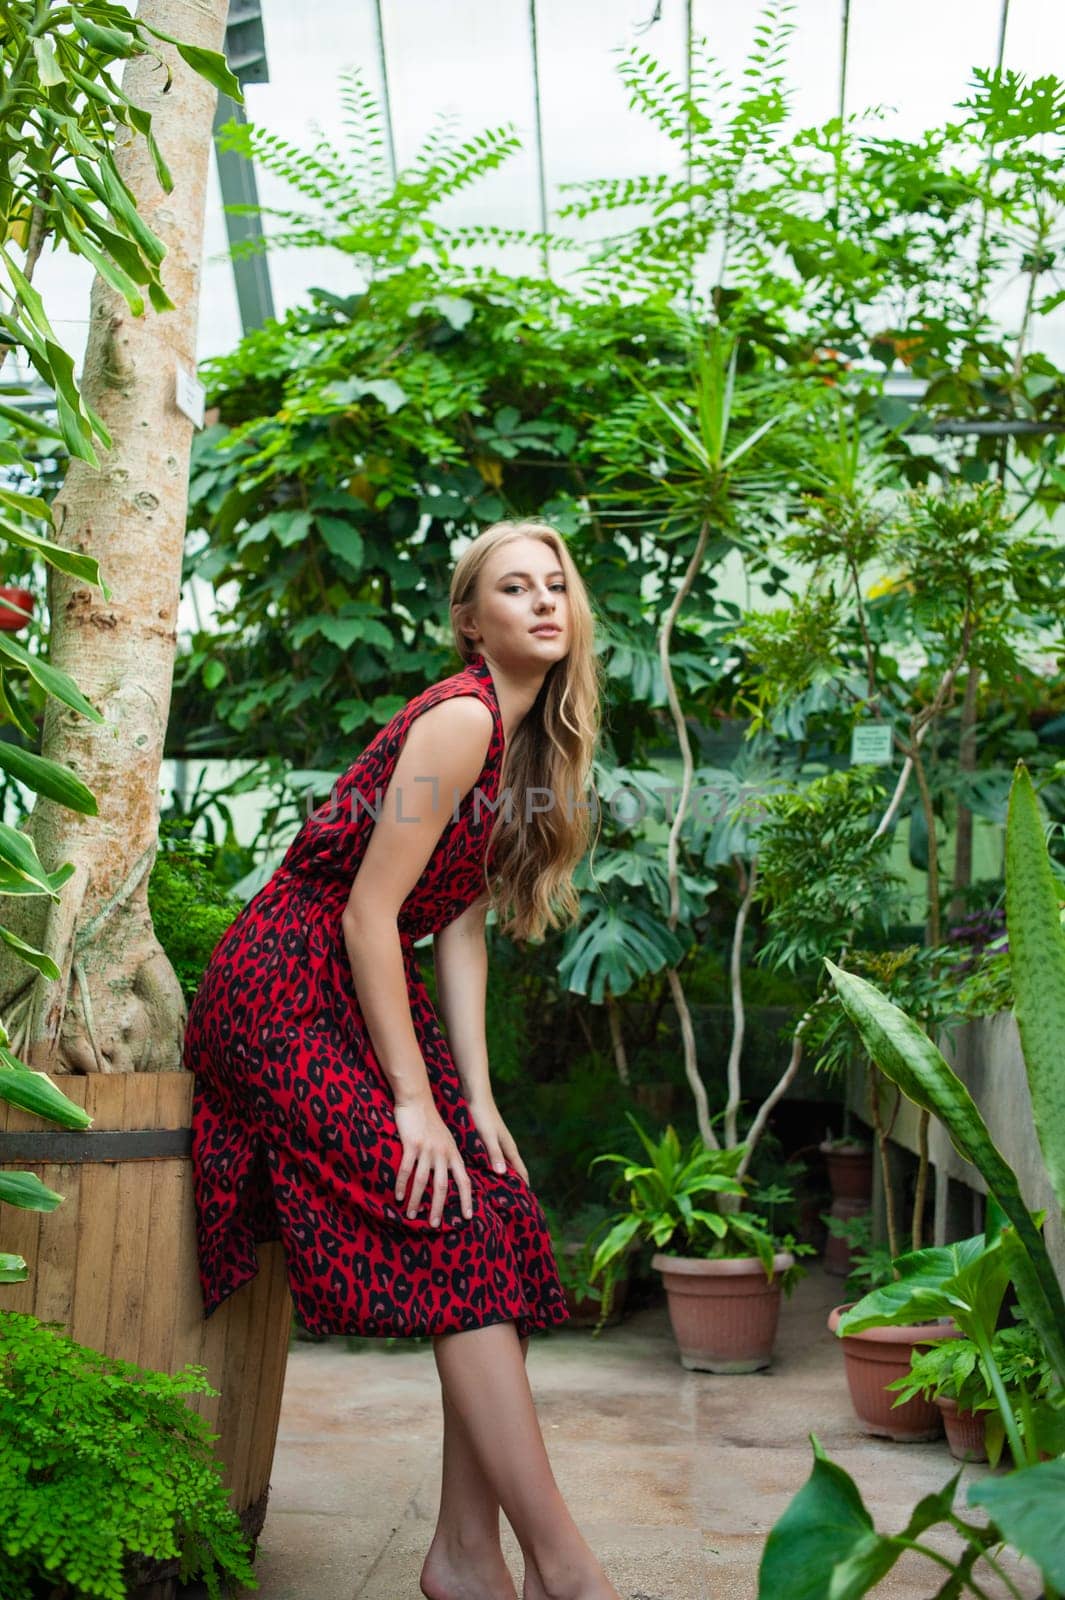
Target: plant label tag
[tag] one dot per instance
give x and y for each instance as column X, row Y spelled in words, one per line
column 189, row 396
column 871, row 744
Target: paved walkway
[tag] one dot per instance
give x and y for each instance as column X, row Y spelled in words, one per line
column 674, row 1477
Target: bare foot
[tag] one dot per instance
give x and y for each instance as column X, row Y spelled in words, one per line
column 450, row 1573
column 586, row 1581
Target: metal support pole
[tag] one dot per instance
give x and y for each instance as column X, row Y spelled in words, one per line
column 386, row 96
column 545, row 257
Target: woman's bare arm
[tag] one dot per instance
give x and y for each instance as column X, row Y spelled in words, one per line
column 441, row 758
column 460, row 958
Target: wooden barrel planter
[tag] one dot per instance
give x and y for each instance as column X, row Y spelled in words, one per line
column 116, row 1265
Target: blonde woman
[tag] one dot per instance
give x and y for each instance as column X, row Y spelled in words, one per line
column 331, row 1110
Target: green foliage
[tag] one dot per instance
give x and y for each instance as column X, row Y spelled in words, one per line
column 190, row 908
column 870, row 1266
column 823, row 872
column 101, row 1460
column 673, row 1201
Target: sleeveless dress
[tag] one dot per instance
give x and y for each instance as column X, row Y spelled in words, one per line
column 293, row 1126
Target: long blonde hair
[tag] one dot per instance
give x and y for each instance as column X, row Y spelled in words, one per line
column 531, row 885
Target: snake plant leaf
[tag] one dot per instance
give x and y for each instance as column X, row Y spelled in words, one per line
column 1028, row 1508
column 906, row 1055
column 1037, row 964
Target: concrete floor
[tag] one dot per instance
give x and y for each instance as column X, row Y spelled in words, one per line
column 674, row 1477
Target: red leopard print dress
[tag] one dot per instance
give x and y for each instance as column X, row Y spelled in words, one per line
column 293, row 1126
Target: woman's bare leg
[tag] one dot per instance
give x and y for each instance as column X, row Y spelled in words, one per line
column 484, row 1378
column 465, row 1560
column 466, row 1556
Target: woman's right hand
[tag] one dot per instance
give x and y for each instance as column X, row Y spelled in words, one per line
column 429, row 1150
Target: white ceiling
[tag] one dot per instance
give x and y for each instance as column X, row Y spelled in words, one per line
column 472, row 57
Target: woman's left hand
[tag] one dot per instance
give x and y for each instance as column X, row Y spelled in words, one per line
column 496, row 1136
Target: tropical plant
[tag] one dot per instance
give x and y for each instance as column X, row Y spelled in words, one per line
column 674, row 1201
column 827, row 1520
column 59, row 144
column 954, row 1369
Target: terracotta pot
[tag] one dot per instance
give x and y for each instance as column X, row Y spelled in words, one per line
column 724, row 1313
column 965, row 1431
column 11, row 621
column 874, row 1358
column 850, row 1173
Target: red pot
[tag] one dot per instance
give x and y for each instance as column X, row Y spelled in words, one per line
column 965, row 1431
column 724, row 1313
column 850, row 1173
column 873, row 1359
column 12, row 621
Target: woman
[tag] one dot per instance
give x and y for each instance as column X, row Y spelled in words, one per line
column 331, row 1111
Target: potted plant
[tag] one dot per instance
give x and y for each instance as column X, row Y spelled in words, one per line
column 953, row 1376
column 723, row 1270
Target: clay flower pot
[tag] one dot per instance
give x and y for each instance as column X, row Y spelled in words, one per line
column 850, row 1177
column 724, row 1312
column 874, row 1358
column 11, row 621
column 965, row 1431
column 850, row 1172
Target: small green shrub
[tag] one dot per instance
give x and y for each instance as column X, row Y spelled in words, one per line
column 101, row 1460
column 190, row 908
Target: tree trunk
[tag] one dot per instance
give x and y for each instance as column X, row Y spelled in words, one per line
column 118, row 1007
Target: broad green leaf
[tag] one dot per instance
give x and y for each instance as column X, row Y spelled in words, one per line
column 29, row 953
column 14, row 882
column 31, row 504
column 1028, row 1508
column 19, row 852
column 48, row 68
column 48, row 778
column 35, row 1091
column 27, row 423
column 113, row 274
column 26, row 1190
column 50, row 678
column 825, row 1527
column 111, row 41
column 906, row 1055
column 12, row 707
column 72, row 562
column 342, row 538
column 966, row 1280
column 13, row 1269
column 1037, row 966
column 28, row 296
column 208, row 63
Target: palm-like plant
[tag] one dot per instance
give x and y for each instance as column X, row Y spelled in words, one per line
column 355, row 202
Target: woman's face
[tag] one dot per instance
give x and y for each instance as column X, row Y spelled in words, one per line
column 521, row 615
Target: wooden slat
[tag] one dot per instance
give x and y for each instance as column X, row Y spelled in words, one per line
column 131, row 1237
column 277, row 1329
column 99, row 1222
column 239, row 1334
column 19, row 1234
column 57, row 1245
